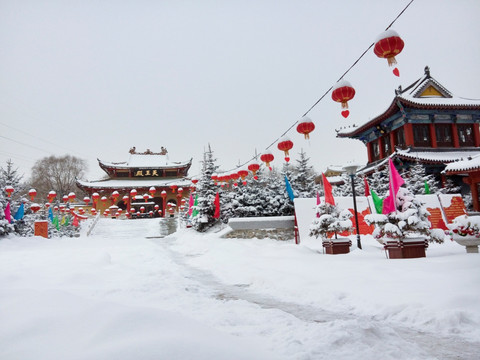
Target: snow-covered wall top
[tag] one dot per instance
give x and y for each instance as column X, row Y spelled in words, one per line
column 147, row 161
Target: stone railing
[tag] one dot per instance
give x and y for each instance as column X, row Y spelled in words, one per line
column 274, row 227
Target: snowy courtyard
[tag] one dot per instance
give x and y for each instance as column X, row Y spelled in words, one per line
column 127, row 292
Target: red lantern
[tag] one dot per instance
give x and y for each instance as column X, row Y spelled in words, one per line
column 115, row 196
column 160, row 212
column 152, row 191
column 267, row 157
column 215, row 178
column 342, row 93
column 180, row 191
column 47, row 205
column 51, row 195
column 65, row 198
column 32, row 194
column 156, row 207
column 35, row 207
column 243, row 174
column 388, row 45
column 127, row 214
column 285, row 144
column 183, row 201
column 305, row 127
column 71, row 196
column 133, row 193
column 235, row 177
column 142, row 209
column 95, row 197
column 254, row 167
column 173, row 187
column 125, row 199
column 194, row 181
column 104, row 199
column 146, row 197
column 86, row 200
column 132, row 210
column 163, row 194
column 81, row 211
column 9, row 190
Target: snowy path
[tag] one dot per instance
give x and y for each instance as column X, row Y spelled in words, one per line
column 126, row 291
column 412, row 344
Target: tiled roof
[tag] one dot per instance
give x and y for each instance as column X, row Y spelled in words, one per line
column 146, row 161
column 467, row 164
column 133, row 183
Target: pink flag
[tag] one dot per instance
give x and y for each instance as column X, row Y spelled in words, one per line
column 190, row 205
column 8, row 215
column 396, row 182
column 327, row 188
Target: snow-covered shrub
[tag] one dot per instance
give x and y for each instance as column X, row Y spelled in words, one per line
column 464, row 225
column 330, row 221
column 409, row 220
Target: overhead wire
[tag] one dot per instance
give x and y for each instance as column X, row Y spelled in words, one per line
column 326, row 92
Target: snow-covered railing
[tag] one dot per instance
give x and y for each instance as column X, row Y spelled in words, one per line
column 275, row 227
column 92, row 225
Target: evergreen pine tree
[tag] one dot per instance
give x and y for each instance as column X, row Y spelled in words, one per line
column 451, row 186
column 303, row 178
column 346, row 188
column 379, row 182
column 330, row 220
column 206, row 191
column 416, row 177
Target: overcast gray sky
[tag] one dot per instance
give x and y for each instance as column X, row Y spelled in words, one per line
column 93, row 78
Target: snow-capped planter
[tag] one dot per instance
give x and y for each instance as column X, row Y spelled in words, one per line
column 405, row 233
column 465, row 230
column 330, row 222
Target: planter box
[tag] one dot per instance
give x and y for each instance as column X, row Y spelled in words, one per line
column 337, row 246
column 406, row 248
column 470, row 242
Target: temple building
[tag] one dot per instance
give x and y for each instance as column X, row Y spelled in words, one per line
column 158, row 182
column 424, row 123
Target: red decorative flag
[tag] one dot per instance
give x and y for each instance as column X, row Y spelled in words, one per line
column 327, row 188
column 217, row 206
column 396, row 182
column 367, row 188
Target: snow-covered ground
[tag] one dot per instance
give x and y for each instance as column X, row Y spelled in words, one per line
column 125, row 292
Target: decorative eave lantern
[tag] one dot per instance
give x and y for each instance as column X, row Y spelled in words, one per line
column 305, row 127
column 194, row 181
column 133, row 193
column 234, row 177
column 387, row 46
column 71, row 196
column 115, row 196
column 163, row 194
column 173, row 187
column 152, row 191
column 285, row 144
column 125, row 199
column 65, row 198
column 342, row 93
column 86, row 200
column 32, row 193
column 104, row 199
column 267, row 157
column 254, row 167
column 95, row 197
column 146, row 197
column 180, row 191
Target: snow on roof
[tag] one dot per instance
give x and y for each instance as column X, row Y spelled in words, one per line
column 469, row 163
column 146, row 161
column 438, row 156
column 134, row 183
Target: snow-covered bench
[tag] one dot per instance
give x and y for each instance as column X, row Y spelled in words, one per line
column 274, row 227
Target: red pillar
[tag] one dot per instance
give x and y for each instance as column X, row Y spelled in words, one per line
column 476, row 134
column 392, row 141
column 433, row 135
column 408, row 129
column 456, row 142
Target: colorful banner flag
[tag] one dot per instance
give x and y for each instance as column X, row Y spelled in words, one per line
column 367, row 188
column 20, row 212
column 377, row 202
column 396, row 182
column 427, row 188
column 8, row 215
column 50, row 214
column 217, row 206
column 190, row 205
column 290, row 193
column 195, row 204
column 327, row 188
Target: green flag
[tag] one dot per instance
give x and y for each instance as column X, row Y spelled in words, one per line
column 55, row 222
column 427, row 188
column 195, row 211
column 377, row 201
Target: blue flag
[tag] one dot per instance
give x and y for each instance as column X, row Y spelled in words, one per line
column 50, row 214
column 20, row 213
column 289, row 189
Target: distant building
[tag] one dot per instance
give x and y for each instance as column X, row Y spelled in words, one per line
column 141, row 172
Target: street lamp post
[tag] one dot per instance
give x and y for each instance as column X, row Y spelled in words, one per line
column 351, row 170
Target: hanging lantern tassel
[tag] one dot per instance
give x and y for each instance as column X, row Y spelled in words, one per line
column 388, row 45
column 285, row 144
column 342, row 93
